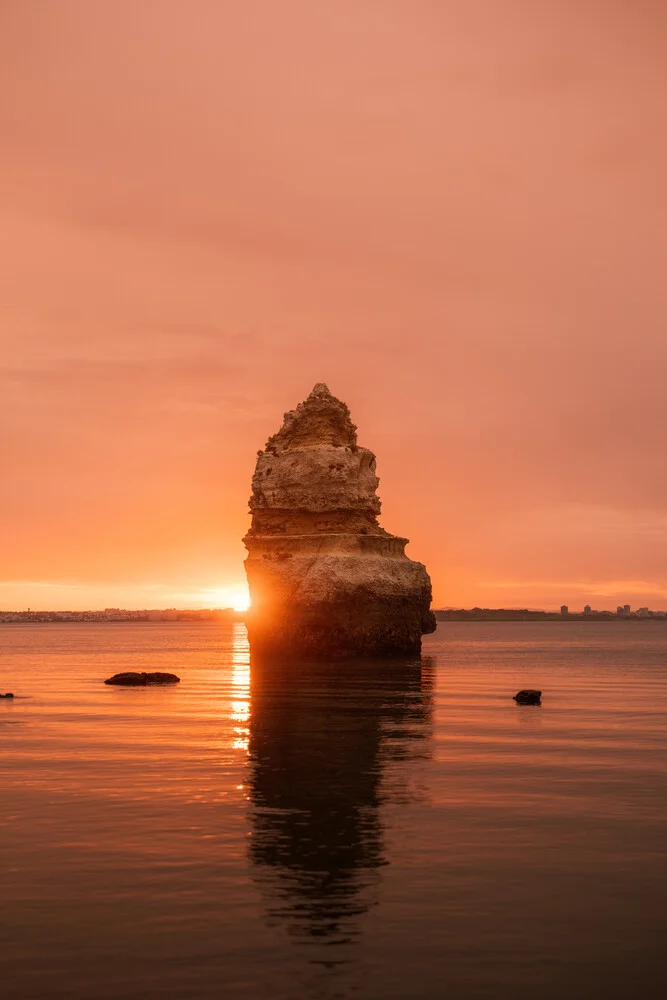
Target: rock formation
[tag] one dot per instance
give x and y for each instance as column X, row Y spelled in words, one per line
column 325, row 579
column 132, row 678
column 528, row 697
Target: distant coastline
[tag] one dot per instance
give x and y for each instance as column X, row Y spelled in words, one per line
column 526, row 615
column 231, row 615
column 122, row 615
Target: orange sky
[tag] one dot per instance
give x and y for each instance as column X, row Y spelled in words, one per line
column 452, row 212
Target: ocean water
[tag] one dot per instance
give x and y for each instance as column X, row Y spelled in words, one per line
column 370, row 830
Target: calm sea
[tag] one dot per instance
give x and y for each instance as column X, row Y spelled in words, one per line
column 364, row 830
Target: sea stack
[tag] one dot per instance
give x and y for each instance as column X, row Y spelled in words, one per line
column 325, row 579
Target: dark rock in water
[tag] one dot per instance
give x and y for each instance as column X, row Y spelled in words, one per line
column 325, row 578
column 8, row 695
column 133, row 679
column 528, row 697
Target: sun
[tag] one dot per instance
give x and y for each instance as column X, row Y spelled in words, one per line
column 234, row 596
column 241, row 603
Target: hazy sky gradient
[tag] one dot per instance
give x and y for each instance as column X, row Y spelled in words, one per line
column 453, row 213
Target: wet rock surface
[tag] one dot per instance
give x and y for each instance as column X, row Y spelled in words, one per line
column 528, row 696
column 132, row 678
column 325, row 578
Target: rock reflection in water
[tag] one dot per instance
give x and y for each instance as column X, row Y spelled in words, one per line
column 321, row 738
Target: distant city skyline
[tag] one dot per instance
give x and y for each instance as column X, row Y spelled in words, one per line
column 230, row 612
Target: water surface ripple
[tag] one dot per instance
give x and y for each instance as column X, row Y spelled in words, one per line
column 369, row 830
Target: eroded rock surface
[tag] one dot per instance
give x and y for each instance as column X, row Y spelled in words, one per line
column 324, row 577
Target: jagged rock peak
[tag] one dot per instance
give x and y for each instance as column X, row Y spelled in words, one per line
column 321, row 419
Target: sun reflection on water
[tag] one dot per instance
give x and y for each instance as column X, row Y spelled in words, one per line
column 240, row 706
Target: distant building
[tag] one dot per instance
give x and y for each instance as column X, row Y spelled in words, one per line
column 587, row 609
column 643, row 613
column 620, row 610
column 564, row 609
column 626, row 608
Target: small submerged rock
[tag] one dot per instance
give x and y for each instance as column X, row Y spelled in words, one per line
column 134, row 679
column 528, row 697
column 8, row 695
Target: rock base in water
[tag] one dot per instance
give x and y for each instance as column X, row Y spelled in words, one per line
column 8, row 695
column 133, row 679
column 361, row 623
column 528, row 697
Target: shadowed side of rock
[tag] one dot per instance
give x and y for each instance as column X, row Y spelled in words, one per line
column 325, row 578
